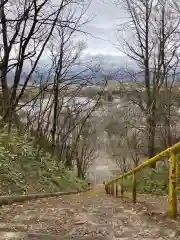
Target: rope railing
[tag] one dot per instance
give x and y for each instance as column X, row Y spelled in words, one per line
column 115, row 185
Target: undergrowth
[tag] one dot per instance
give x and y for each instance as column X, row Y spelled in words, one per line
column 153, row 181
column 26, row 169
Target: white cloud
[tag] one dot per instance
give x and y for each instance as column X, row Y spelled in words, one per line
column 101, row 37
column 105, row 17
column 103, row 52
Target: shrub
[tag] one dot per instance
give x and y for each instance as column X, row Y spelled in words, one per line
column 154, row 181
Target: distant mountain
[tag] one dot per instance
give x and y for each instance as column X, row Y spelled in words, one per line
column 78, row 77
column 92, row 68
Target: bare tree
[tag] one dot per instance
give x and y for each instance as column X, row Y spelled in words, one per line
column 154, row 48
column 26, row 28
column 126, row 131
column 87, row 148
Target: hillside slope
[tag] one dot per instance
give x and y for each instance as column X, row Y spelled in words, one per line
column 26, row 169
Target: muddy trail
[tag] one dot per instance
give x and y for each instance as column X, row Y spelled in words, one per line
column 85, row 216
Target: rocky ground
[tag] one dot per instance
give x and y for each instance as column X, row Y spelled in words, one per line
column 87, row 216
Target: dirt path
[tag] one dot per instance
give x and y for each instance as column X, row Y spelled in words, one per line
column 92, row 215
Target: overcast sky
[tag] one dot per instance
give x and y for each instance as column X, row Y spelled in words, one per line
column 105, row 16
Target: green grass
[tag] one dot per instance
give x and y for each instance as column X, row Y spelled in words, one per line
column 26, row 169
column 153, row 181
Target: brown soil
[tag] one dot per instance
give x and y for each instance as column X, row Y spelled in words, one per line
column 88, row 216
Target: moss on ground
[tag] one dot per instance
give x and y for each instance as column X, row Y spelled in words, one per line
column 26, row 169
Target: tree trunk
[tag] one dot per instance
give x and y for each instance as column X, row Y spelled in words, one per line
column 167, row 127
column 68, row 159
column 151, row 137
column 79, row 169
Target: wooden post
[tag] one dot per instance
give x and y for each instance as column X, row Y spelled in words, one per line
column 173, row 177
column 106, row 188
column 122, row 188
column 112, row 186
column 115, row 188
column 134, row 187
column 117, row 185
